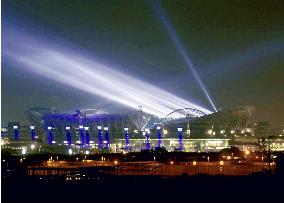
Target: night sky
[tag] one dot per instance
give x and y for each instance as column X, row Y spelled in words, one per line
column 237, row 48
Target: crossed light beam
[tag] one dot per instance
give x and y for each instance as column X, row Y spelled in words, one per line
column 179, row 46
column 89, row 75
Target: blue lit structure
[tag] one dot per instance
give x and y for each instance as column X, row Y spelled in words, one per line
column 106, row 137
column 147, row 135
column 126, row 135
column 83, row 120
column 68, row 136
column 82, row 136
column 59, row 121
column 16, row 132
column 32, row 133
column 100, row 137
column 50, row 135
column 159, row 136
column 87, row 136
column 180, row 138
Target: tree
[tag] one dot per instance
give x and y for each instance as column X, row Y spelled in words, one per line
column 264, row 148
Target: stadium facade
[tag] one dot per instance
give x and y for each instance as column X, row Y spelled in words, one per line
column 198, row 131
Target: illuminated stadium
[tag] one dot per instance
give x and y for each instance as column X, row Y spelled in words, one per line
column 196, row 125
column 92, row 129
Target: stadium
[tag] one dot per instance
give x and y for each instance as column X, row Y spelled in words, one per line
column 188, row 129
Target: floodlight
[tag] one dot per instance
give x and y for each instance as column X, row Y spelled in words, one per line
column 179, row 129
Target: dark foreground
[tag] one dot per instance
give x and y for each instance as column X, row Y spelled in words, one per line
column 144, row 189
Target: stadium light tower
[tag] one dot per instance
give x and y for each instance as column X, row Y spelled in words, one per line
column 32, row 132
column 159, row 136
column 16, row 132
column 126, row 134
column 180, row 138
column 106, row 137
column 82, row 139
column 100, row 137
column 50, row 135
column 87, row 136
column 68, row 135
column 147, row 135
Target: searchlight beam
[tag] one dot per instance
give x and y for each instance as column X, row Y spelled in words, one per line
column 181, row 49
column 88, row 75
